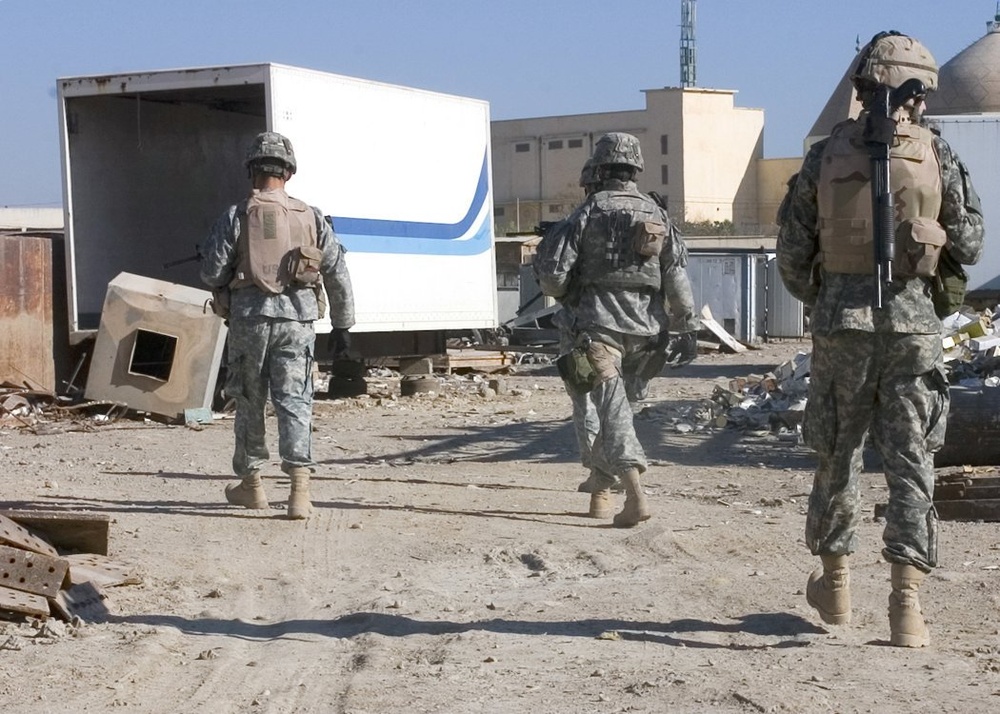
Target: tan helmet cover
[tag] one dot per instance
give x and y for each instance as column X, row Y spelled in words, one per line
column 893, row 59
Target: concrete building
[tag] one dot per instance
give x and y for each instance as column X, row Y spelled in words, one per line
column 702, row 153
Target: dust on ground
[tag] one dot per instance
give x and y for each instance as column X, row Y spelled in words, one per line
column 449, row 567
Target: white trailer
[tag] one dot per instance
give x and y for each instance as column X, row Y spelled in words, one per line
column 151, row 159
column 976, row 140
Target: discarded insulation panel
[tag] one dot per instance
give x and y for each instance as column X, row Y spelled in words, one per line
column 158, row 347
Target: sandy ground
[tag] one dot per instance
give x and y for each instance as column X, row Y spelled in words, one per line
column 449, row 568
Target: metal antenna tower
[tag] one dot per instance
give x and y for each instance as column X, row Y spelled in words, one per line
column 687, row 43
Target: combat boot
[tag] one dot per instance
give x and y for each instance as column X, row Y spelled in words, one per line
column 589, row 485
column 601, row 505
column 248, row 493
column 829, row 590
column 906, row 620
column 299, row 505
column 635, row 510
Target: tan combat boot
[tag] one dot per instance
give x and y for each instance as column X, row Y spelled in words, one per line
column 248, row 493
column 299, row 506
column 829, row 590
column 906, row 621
column 635, row 510
column 601, row 505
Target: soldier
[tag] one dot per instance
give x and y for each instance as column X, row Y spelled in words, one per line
column 615, row 265
column 877, row 368
column 273, row 263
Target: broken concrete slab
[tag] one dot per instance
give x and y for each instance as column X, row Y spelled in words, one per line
column 158, row 348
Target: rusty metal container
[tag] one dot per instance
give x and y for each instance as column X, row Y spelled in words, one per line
column 26, row 353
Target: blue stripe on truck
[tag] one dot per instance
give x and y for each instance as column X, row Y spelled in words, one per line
column 371, row 235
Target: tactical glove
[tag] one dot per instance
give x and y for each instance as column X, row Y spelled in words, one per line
column 683, row 349
column 340, row 341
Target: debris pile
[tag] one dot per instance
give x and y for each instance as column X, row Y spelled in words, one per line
column 773, row 401
column 37, row 581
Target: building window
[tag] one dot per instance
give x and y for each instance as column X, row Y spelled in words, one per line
column 663, row 144
column 521, row 148
column 664, row 175
column 557, row 144
column 498, row 211
column 575, row 143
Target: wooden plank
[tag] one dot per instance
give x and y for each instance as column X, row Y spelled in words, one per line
column 31, row 572
column 100, row 570
column 16, row 535
column 984, row 509
column 23, row 603
column 69, row 530
column 727, row 341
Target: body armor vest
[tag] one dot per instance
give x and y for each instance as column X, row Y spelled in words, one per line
column 844, row 201
column 617, row 246
column 273, row 227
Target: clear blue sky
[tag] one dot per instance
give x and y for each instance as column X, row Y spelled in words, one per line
column 526, row 57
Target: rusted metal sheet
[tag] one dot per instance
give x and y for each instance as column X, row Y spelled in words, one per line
column 85, row 601
column 20, row 537
column 25, row 603
column 31, row 572
column 100, row 570
column 26, row 352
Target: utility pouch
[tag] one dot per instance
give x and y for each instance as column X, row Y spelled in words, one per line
column 919, row 242
column 220, row 302
column 648, row 238
column 304, row 265
column 576, row 370
column 949, row 285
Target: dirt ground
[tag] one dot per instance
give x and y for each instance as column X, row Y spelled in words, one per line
column 449, row 568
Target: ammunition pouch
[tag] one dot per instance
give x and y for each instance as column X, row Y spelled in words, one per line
column 304, row 265
column 948, row 286
column 919, row 242
column 576, row 371
column 648, row 238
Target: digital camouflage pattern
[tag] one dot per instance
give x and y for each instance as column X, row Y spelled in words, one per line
column 271, row 344
column 618, row 321
column 268, row 355
column 874, row 368
column 894, row 384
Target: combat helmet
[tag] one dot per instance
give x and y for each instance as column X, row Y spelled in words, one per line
column 891, row 58
column 588, row 175
column 618, row 148
column 271, row 149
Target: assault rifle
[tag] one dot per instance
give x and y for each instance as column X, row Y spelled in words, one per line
column 880, row 129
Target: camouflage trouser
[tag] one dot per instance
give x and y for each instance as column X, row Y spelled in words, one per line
column 267, row 353
column 893, row 384
column 615, row 447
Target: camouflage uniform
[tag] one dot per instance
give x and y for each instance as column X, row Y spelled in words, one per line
column 877, row 369
column 617, row 322
column 271, row 344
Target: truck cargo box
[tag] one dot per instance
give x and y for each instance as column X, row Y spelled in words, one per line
column 151, row 159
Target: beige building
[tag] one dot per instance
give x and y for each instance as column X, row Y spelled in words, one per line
column 702, row 153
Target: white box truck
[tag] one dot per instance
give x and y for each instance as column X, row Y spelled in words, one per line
column 151, row 159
